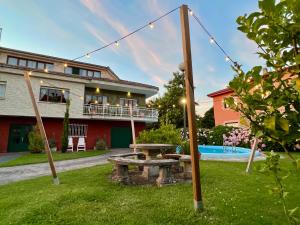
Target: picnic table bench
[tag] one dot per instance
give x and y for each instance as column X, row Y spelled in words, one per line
column 165, row 175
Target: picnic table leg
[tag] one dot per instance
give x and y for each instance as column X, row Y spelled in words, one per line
column 122, row 174
column 165, row 175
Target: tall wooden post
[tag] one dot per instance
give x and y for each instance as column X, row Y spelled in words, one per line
column 251, row 157
column 132, row 127
column 188, row 76
column 41, row 127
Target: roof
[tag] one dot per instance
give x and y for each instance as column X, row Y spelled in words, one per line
column 72, row 62
column 220, row 92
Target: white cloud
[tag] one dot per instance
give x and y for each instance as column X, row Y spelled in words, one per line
column 151, row 62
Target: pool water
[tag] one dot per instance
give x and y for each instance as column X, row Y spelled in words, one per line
column 225, row 152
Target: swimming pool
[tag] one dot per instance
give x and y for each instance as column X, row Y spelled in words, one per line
column 210, row 152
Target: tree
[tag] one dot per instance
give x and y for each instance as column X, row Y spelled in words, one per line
column 208, row 120
column 271, row 100
column 65, row 136
column 170, row 106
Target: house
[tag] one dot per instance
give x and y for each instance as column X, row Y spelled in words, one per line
column 100, row 101
column 222, row 113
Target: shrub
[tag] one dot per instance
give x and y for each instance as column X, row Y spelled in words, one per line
column 36, row 143
column 52, row 142
column 166, row 134
column 215, row 136
column 65, row 136
column 186, row 147
column 202, row 135
column 100, row 144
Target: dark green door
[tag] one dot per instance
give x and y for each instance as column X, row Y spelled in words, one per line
column 120, row 137
column 18, row 138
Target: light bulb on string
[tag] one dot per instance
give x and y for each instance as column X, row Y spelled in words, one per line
column 63, row 91
column 65, row 65
column 88, row 55
column 46, row 70
column 151, row 25
column 191, row 12
column 212, row 40
column 117, row 44
column 41, row 81
column 81, row 97
column 29, row 73
column 227, row 59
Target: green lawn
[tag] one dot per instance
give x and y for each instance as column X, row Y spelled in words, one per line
column 87, row 196
column 42, row 157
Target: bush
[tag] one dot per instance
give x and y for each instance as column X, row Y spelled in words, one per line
column 202, row 135
column 100, row 144
column 52, row 142
column 166, row 134
column 36, row 143
column 215, row 136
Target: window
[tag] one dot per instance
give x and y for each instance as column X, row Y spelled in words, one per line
column 31, row 64
column 96, row 99
column 12, row 61
column 82, row 72
column 41, row 65
column 97, row 74
column 90, row 73
column 2, row 89
column 68, row 70
column 22, row 62
column 54, row 95
column 78, row 130
column 128, row 102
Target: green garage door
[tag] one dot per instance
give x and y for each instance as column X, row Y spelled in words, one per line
column 120, row 137
column 18, row 138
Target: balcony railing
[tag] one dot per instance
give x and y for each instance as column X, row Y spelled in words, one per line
column 120, row 112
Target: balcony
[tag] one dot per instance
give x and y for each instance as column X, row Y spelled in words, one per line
column 114, row 112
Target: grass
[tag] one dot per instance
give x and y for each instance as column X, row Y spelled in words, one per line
column 87, row 196
column 57, row 156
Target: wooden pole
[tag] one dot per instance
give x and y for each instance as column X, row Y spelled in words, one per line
column 41, row 127
column 251, row 157
column 132, row 127
column 188, row 76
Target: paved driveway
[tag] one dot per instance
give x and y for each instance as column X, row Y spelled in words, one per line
column 16, row 173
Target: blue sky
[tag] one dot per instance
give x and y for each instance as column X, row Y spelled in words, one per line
column 68, row 29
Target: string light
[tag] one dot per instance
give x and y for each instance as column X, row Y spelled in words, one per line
column 151, row 25
column 88, row 55
column 63, row 91
column 97, row 90
column 96, row 102
column 191, row 12
column 174, row 106
column 212, row 40
column 65, row 65
column 127, row 35
column 29, row 73
column 128, row 94
column 41, row 82
column 81, row 97
column 117, row 44
column 227, row 59
column 46, row 70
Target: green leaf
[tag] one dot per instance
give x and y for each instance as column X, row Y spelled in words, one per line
column 297, row 59
column 270, row 123
column 285, row 194
column 283, row 124
column 267, row 6
column 292, row 211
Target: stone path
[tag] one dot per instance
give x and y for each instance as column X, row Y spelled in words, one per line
column 17, row 173
column 4, row 157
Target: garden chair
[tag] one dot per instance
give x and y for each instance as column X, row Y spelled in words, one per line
column 70, row 145
column 81, row 144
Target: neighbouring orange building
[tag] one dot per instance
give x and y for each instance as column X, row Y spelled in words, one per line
column 223, row 114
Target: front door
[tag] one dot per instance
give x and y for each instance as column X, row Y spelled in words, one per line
column 121, row 137
column 18, row 138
